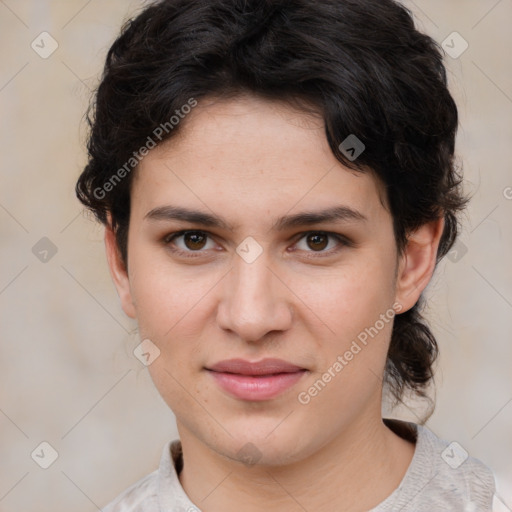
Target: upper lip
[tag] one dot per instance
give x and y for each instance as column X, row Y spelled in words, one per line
column 263, row 367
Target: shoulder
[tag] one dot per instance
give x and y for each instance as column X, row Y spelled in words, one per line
column 142, row 496
column 160, row 490
column 456, row 476
column 442, row 476
column 146, row 494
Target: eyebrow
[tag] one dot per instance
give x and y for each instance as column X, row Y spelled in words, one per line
column 305, row 218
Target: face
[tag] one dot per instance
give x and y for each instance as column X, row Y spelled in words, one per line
column 254, row 279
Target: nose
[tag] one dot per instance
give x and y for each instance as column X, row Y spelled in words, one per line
column 254, row 301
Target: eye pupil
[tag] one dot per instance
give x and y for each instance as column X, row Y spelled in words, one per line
column 320, row 241
column 191, row 240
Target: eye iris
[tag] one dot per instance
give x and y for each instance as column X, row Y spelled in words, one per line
column 194, row 241
column 317, row 241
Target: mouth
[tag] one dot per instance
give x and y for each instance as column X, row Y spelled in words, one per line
column 256, row 381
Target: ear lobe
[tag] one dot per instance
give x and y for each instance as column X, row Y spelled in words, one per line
column 119, row 272
column 418, row 262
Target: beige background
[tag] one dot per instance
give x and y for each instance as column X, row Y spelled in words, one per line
column 68, row 375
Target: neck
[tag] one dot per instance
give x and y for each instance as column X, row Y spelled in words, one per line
column 354, row 471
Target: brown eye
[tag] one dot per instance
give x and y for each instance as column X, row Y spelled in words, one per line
column 184, row 242
column 324, row 243
column 194, row 240
column 317, row 241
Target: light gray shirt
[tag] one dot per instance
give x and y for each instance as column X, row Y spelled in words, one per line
column 441, row 477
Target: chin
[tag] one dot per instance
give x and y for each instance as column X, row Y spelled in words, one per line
column 252, row 444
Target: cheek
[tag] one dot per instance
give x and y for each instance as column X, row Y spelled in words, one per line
column 356, row 305
column 173, row 309
column 350, row 299
column 171, row 314
column 168, row 297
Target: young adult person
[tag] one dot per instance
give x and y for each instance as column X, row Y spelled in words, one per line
column 277, row 183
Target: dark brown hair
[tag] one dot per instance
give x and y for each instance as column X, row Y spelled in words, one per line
column 360, row 63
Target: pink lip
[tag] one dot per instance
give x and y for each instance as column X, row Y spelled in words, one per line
column 256, row 381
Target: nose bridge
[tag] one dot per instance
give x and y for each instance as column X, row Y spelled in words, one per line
column 253, row 302
column 253, row 281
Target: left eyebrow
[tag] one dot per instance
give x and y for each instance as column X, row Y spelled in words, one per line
column 306, row 218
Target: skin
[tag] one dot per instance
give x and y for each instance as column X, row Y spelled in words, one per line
column 251, row 161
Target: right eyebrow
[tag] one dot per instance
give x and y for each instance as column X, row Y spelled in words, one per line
column 185, row 214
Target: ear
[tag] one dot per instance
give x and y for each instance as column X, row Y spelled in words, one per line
column 119, row 272
column 417, row 263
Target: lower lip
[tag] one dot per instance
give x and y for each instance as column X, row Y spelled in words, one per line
column 247, row 387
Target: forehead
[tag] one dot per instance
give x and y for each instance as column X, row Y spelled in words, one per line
column 260, row 155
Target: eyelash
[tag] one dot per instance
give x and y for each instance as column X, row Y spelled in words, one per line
column 343, row 242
